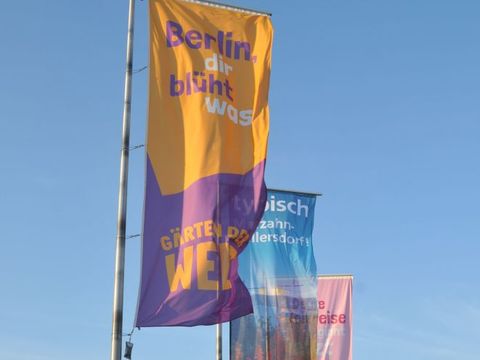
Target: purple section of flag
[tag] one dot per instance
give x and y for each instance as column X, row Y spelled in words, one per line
column 229, row 202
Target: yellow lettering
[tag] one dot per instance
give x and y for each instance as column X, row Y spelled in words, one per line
column 208, row 227
column 177, row 273
column 218, row 230
column 232, row 232
column 242, row 238
column 227, row 254
column 166, row 243
column 188, row 234
column 239, row 237
column 205, row 266
column 176, row 238
column 198, row 229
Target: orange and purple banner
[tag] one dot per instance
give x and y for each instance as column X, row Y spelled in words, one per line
column 334, row 327
column 207, row 137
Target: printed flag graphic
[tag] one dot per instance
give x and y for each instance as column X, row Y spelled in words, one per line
column 334, row 318
column 279, row 270
column 206, row 149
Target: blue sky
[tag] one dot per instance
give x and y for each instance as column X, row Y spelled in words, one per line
column 374, row 103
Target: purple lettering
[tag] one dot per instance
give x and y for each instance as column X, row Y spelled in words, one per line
column 228, row 88
column 174, row 30
column 220, row 42
column 194, row 39
column 208, row 39
column 228, row 45
column 213, row 83
column 246, row 48
column 173, row 86
column 191, row 36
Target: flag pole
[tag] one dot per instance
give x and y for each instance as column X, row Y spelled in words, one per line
column 219, row 342
column 117, row 317
column 267, row 325
column 218, row 328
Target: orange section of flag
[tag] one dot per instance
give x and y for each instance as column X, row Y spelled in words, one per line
column 208, row 101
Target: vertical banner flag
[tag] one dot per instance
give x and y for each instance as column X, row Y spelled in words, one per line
column 206, row 148
column 279, row 269
column 334, row 318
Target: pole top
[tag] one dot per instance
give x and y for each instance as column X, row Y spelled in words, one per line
column 296, row 191
column 229, row 7
column 335, row 276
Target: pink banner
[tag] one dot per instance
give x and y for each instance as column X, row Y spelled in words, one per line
column 334, row 318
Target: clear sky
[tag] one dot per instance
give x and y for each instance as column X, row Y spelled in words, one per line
column 374, row 103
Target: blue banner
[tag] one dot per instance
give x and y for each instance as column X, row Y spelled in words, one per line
column 278, row 267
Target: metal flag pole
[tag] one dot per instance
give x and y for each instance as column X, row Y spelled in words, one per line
column 219, row 342
column 219, row 325
column 267, row 325
column 117, row 318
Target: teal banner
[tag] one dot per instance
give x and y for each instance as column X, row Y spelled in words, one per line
column 278, row 267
